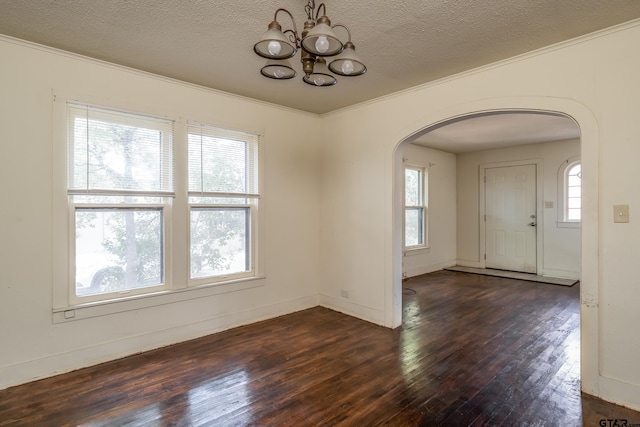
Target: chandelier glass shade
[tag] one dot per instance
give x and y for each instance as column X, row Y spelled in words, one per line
column 318, row 44
column 274, row 44
column 320, row 75
column 278, row 69
column 321, row 40
column 348, row 63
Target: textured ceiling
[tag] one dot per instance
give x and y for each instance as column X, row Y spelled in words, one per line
column 497, row 130
column 403, row 42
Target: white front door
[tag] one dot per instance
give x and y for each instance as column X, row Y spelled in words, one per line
column 510, row 221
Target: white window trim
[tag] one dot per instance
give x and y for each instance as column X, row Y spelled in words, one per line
column 415, row 249
column 252, row 201
column 64, row 308
column 562, row 221
column 82, row 110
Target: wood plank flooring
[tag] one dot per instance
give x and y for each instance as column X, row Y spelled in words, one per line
column 473, row 350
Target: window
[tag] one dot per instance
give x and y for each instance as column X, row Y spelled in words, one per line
column 415, row 207
column 569, row 193
column 573, row 184
column 125, row 229
column 223, row 200
column 119, row 185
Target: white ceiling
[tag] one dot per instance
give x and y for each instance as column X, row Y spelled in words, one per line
column 497, row 130
column 404, row 43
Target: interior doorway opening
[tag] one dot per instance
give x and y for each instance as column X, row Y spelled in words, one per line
column 537, row 156
column 585, row 119
column 509, row 222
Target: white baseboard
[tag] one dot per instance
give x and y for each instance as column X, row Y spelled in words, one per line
column 31, row 370
column 619, row 392
column 562, row 274
column 412, row 272
column 472, row 264
column 549, row 272
column 345, row 306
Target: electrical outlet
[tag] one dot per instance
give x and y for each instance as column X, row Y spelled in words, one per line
column 344, row 293
column 621, row 213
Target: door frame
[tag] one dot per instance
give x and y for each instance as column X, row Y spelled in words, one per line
column 539, row 209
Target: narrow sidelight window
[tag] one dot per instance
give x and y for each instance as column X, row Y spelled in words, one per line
column 573, row 186
column 415, row 207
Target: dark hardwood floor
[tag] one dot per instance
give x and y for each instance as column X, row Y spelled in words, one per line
column 473, row 350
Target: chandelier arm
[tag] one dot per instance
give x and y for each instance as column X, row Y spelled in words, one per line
column 345, row 27
column 309, row 8
column 324, row 8
column 294, row 37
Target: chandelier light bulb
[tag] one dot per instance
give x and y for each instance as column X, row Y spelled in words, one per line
column 322, row 44
column 318, row 80
column 274, row 47
column 279, row 73
column 347, row 67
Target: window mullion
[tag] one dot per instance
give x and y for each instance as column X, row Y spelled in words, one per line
column 177, row 230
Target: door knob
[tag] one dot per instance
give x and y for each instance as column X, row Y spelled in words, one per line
column 532, row 224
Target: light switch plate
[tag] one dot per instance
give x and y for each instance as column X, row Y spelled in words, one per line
column 620, row 213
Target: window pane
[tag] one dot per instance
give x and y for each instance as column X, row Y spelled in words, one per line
column 217, row 164
column 119, row 151
column 413, row 187
column 117, row 250
column 574, row 181
column 576, row 170
column 413, row 234
column 574, row 192
column 573, row 203
column 219, row 241
column 573, row 214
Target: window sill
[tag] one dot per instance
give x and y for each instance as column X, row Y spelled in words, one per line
column 105, row 308
column 416, row 251
column 568, row 224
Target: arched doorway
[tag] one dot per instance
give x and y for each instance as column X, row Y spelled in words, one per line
column 589, row 232
column 507, row 226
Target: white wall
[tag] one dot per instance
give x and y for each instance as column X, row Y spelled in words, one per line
column 359, row 249
column 593, row 80
column 32, row 346
column 561, row 246
column 441, row 227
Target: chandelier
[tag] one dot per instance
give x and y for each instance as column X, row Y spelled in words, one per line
column 317, row 42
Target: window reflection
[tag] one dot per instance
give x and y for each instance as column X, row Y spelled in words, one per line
column 221, row 397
